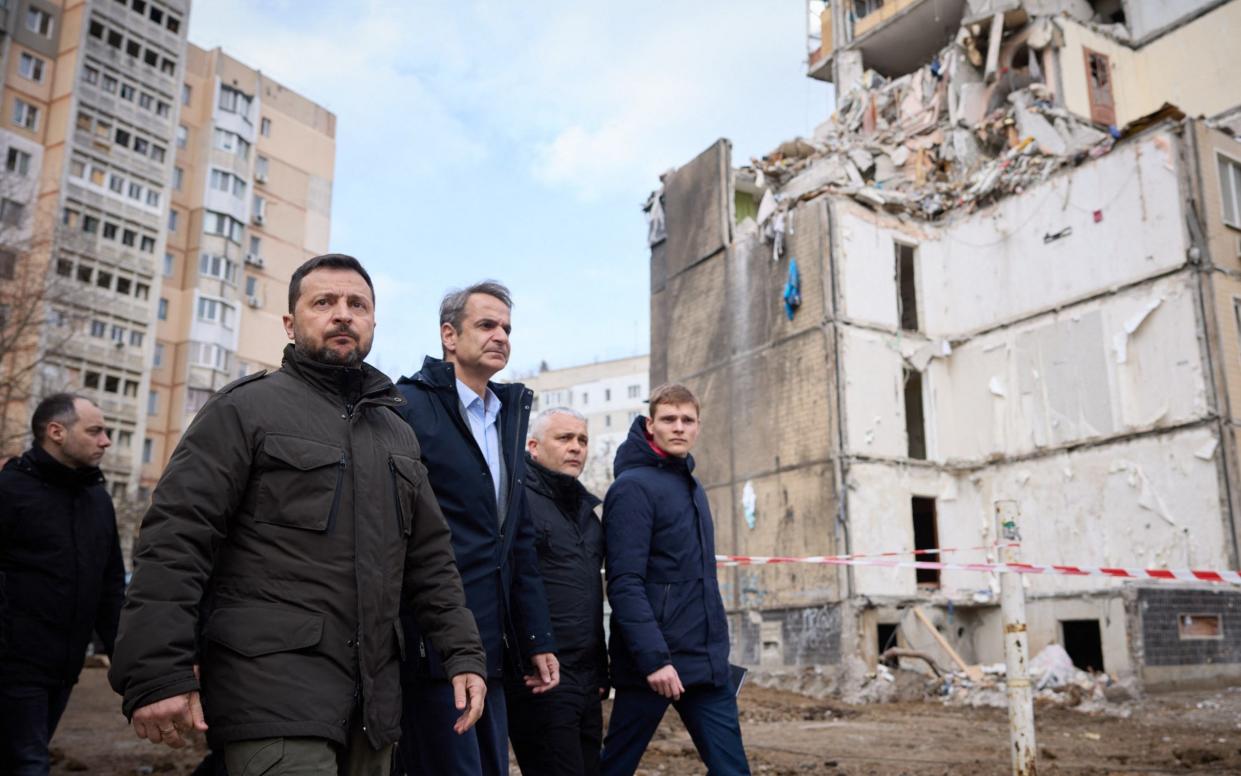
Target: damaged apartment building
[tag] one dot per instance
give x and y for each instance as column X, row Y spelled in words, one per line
column 1008, row 267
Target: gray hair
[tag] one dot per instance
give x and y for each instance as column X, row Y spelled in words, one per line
column 538, row 426
column 452, row 308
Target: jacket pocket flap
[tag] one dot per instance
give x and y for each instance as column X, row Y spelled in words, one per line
column 304, row 454
column 255, row 631
column 407, row 468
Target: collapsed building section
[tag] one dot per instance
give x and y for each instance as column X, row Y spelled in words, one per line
column 923, row 310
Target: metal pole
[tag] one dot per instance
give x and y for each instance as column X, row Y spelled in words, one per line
column 1016, row 645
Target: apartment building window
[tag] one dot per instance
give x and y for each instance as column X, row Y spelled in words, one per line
column 142, row 291
column 39, row 22
column 8, row 265
column 195, row 398
column 634, row 391
column 183, row 136
column 167, row 265
column 128, row 92
column 163, row 109
column 17, row 161
column 104, row 281
column 25, row 115
column 146, row 101
column 111, row 384
column 162, row 314
column 607, row 420
column 1230, row 189
column 186, row 92
column 136, row 338
column 223, row 225
column 607, row 394
column 90, row 74
column 109, row 84
column 260, row 209
column 209, row 355
column 124, row 438
column 30, row 67
column 146, row 448
column 213, row 266
column 178, row 177
column 231, row 142
column 118, row 334
column 64, row 268
column 98, row 329
column 228, row 183
column 173, row 24
column 91, row 380
column 172, row 219
column 130, row 390
column 11, row 212
column 252, row 287
column 265, row 127
column 216, row 311
column 152, row 402
column 260, row 168
column 157, row 360
column 234, row 101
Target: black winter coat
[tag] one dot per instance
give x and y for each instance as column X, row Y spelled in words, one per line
column 666, row 604
column 569, row 539
column 293, row 518
column 498, row 564
column 61, row 573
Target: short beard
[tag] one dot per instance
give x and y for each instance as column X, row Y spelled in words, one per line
column 325, row 355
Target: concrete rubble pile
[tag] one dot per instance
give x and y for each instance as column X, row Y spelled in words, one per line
column 963, row 130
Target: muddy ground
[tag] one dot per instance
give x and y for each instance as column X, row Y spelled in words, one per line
column 1175, row 733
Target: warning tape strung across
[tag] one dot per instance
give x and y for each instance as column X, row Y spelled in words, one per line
column 1165, row 575
column 936, row 551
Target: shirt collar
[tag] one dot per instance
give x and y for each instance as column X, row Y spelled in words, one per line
column 491, row 404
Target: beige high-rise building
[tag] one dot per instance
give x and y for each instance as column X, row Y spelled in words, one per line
column 251, row 200
column 87, row 125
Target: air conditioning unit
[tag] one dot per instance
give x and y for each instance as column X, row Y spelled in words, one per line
column 260, row 177
column 259, row 218
column 253, row 301
column 254, row 260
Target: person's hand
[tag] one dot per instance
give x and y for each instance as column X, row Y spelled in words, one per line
column 468, row 692
column 169, row 721
column 547, row 673
column 667, row 682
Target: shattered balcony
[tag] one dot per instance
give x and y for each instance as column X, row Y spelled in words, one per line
column 894, row 37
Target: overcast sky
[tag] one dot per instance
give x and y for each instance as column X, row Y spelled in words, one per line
column 518, row 141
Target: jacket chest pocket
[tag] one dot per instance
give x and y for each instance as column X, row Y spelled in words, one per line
column 405, row 478
column 300, row 484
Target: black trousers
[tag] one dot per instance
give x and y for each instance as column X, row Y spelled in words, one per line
column 558, row 733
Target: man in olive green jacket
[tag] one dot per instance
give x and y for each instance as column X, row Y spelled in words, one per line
column 292, row 518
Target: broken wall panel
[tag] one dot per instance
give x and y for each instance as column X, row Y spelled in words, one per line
column 1088, row 230
column 867, row 269
column 1119, row 364
column 697, row 204
column 874, row 393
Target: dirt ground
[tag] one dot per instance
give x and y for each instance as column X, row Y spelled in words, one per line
column 785, row 733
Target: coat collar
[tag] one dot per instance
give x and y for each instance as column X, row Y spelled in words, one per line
column 566, row 491
column 348, row 383
column 39, row 464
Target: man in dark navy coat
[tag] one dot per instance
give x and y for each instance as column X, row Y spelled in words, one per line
column 669, row 641
column 472, row 433
column 61, row 574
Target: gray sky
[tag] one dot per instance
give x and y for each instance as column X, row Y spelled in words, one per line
column 518, row 141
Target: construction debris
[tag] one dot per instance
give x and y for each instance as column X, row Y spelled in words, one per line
column 956, row 134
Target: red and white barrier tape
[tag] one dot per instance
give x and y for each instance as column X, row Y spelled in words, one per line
column 1165, row 575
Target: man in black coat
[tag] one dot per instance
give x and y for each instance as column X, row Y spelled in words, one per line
column 61, row 574
column 472, row 431
column 559, row 733
column 669, row 630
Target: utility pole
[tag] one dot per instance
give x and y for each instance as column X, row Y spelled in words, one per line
column 1016, row 644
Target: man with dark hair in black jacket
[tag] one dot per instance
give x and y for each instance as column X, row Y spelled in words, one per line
column 559, row 733
column 61, row 574
column 472, row 431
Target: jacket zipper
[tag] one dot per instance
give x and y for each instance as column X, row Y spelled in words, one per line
column 396, row 494
column 340, row 480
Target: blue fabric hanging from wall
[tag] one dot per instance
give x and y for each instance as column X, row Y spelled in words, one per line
column 792, row 290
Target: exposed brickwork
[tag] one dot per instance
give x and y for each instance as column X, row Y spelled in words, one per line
column 1161, row 641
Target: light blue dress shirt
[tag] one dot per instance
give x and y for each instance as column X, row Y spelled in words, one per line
column 482, row 414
